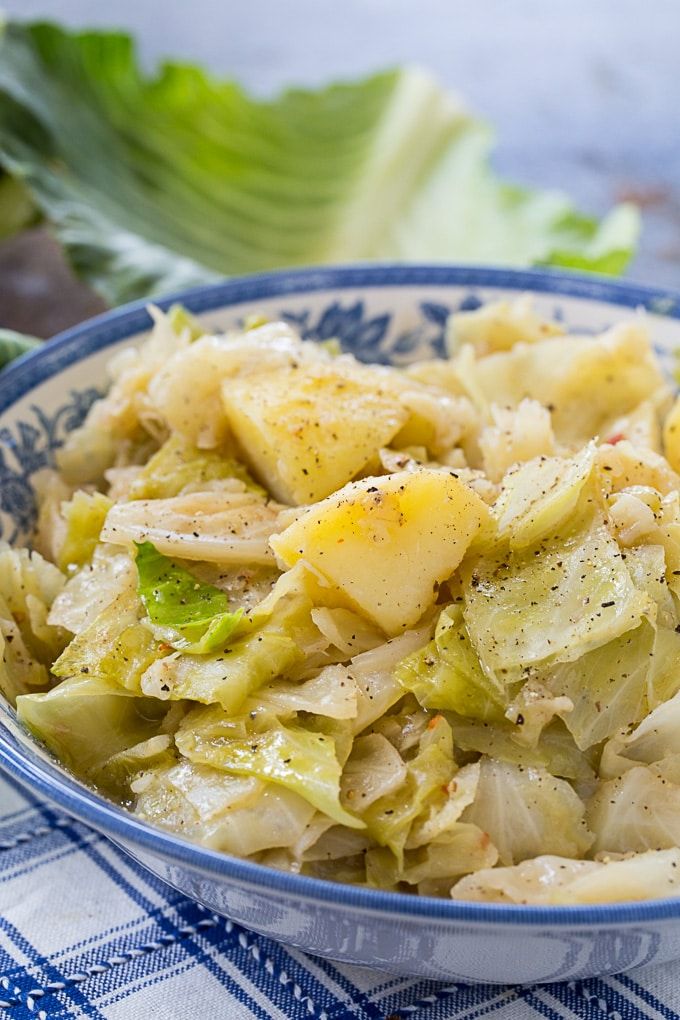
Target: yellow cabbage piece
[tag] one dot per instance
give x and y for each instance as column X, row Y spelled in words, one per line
column 499, row 325
column 289, row 755
column 116, row 647
column 224, row 527
column 390, row 818
column 236, row 814
column 582, row 380
column 85, row 721
column 551, row 879
column 671, row 436
column 638, row 811
column 608, row 686
column 179, row 467
column 446, row 673
column 551, row 603
column 84, row 516
column 537, row 497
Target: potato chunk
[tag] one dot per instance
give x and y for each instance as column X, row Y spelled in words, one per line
column 386, row 543
column 305, row 431
column 671, row 436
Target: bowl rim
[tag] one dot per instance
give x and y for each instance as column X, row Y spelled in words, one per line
column 43, row 776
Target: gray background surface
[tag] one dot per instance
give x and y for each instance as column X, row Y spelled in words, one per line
column 585, row 96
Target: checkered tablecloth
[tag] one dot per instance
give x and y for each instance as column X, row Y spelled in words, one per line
column 86, row 932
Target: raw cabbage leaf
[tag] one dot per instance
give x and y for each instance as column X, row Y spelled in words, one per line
column 175, row 599
column 155, row 184
column 528, row 812
column 13, row 344
column 16, row 211
column 299, row 759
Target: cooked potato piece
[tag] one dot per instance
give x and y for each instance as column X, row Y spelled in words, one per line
column 307, row 430
column 671, row 436
column 387, row 543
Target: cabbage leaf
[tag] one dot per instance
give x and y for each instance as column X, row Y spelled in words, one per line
column 446, row 673
column 299, row 759
column 552, row 879
column 179, row 467
column 175, row 599
column 116, row 647
column 390, row 818
column 550, row 603
column 240, row 815
column 84, row 517
column 155, row 184
column 608, row 686
column 528, row 812
column 85, row 721
column 638, row 811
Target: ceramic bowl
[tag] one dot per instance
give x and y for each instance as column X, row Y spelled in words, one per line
column 380, row 313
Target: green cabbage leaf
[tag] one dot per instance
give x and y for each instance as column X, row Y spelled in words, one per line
column 175, row 599
column 157, row 183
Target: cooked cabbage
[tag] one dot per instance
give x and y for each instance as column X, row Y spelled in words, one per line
column 84, row 517
column 638, row 811
column 258, row 745
column 179, row 468
column 527, row 812
column 499, row 325
column 224, row 527
column 446, row 673
column 550, row 603
column 550, row 879
column 456, row 674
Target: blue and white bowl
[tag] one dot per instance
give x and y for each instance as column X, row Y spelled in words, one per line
column 380, row 313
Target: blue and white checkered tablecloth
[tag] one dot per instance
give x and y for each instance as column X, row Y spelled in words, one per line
column 86, row 932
